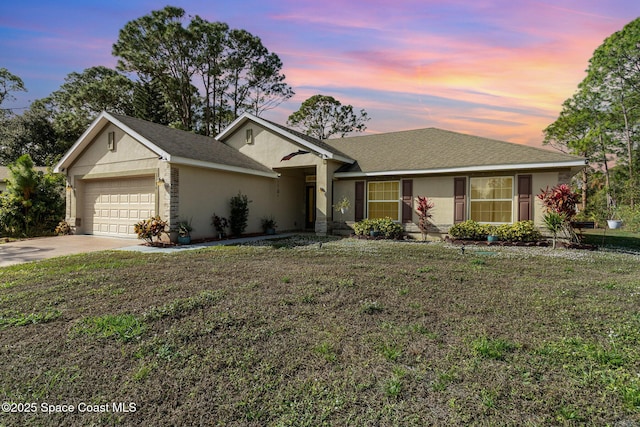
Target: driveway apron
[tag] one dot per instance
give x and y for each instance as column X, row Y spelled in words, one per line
column 48, row 247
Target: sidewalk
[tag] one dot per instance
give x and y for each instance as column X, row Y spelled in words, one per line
column 182, row 248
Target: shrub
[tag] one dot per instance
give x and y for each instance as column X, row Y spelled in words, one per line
column 554, row 222
column 387, row 228
column 239, row 213
column 630, row 217
column 33, row 203
column 268, row 223
column 471, row 230
column 521, row 231
column 423, row 206
column 559, row 199
column 63, row 228
column 147, row 229
column 220, row 224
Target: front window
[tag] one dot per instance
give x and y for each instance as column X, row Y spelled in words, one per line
column 384, row 200
column 492, row 199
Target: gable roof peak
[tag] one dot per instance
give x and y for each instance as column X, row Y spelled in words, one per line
column 173, row 145
column 325, row 150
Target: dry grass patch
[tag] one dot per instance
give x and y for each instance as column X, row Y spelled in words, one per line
column 345, row 333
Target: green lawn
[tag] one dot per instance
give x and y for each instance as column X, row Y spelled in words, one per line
column 353, row 333
column 613, row 239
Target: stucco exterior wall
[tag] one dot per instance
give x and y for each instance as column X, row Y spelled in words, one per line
column 269, row 148
column 204, row 192
column 540, row 182
column 440, row 189
column 129, row 158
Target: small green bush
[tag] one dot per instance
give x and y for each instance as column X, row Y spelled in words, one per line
column 471, row 230
column 33, row 202
column 521, row 231
column 239, row 216
column 630, row 218
column 388, row 228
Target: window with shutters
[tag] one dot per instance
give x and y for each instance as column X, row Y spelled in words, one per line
column 383, row 200
column 492, row 199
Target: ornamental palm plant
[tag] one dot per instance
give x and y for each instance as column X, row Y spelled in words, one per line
column 423, row 207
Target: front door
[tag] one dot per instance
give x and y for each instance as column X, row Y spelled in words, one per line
column 310, row 210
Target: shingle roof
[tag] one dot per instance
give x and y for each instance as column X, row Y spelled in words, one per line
column 188, row 145
column 310, row 139
column 433, row 149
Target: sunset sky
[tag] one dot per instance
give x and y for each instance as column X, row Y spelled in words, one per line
column 499, row 69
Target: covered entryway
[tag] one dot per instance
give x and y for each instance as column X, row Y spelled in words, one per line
column 112, row 206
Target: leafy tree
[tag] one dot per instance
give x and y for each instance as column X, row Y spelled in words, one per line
column 581, row 130
column 267, row 88
column 211, row 50
column 51, row 125
column 31, row 133
column 149, row 103
column 9, row 83
column 614, row 73
column 600, row 121
column 157, row 47
column 254, row 77
column 84, row 95
column 208, row 73
column 32, row 203
column 323, row 116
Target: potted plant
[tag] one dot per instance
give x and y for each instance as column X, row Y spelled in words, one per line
column 614, row 223
column 269, row 224
column 220, row 224
column 184, row 232
column 343, row 205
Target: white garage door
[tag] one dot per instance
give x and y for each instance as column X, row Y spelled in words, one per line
column 112, row 207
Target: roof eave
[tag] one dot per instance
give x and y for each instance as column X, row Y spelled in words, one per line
column 574, row 165
column 325, row 154
column 218, row 166
column 92, row 131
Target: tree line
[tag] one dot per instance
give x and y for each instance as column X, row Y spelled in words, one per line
column 184, row 72
column 601, row 121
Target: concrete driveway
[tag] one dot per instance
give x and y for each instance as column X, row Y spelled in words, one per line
column 48, row 247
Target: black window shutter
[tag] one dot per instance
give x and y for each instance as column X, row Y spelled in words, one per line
column 407, row 200
column 525, row 197
column 460, row 199
column 359, row 201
